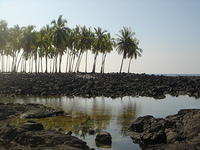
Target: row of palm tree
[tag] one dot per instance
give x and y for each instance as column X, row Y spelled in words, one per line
column 23, row 49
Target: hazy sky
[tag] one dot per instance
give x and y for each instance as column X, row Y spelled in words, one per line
column 168, row 30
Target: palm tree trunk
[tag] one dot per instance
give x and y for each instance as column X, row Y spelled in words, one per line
column 79, row 61
column 60, row 63
column 67, row 61
column 0, row 62
column 2, row 58
column 73, row 60
column 121, row 64
column 76, row 66
column 129, row 65
column 21, row 66
column 102, row 63
column 86, row 54
column 94, row 64
column 6, row 63
column 38, row 64
column 9, row 66
column 56, row 64
column 36, row 69
column 50, row 66
column 12, row 65
column 25, row 65
column 16, row 68
column 32, row 61
column 29, row 65
column 41, row 64
column 53, row 63
column 70, row 62
column 46, row 64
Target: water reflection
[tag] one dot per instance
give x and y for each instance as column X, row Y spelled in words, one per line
column 112, row 115
column 128, row 111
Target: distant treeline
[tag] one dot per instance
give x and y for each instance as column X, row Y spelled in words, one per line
column 23, row 49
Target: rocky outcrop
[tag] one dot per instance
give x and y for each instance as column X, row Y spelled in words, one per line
column 103, row 139
column 175, row 132
column 88, row 85
column 32, row 136
column 27, row 111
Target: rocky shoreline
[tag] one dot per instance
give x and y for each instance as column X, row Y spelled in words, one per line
column 175, row 132
column 32, row 135
column 92, row 85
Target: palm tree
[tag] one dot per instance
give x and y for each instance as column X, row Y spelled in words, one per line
column 98, row 44
column 29, row 46
column 59, row 38
column 108, row 47
column 127, row 45
column 77, row 39
column 72, row 53
column 45, row 43
column 52, row 43
column 3, row 41
column 86, row 41
column 135, row 51
column 15, row 36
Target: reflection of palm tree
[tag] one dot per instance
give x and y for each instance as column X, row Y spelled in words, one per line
column 100, row 115
column 127, row 116
column 80, row 121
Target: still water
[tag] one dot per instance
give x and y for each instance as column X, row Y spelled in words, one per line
column 106, row 114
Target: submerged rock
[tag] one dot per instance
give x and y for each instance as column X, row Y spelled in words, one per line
column 27, row 111
column 103, row 138
column 32, row 136
column 33, row 126
column 176, row 132
column 91, row 131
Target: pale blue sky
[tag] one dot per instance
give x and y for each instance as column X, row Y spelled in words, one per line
column 169, row 30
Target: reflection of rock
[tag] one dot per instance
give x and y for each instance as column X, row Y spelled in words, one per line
column 103, row 138
column 27, row 111
column 26, row 138
column 180, row 131
column 108, row 85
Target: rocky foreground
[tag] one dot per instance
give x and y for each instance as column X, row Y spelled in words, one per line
column 89, row 85
column 176, row 132
column 32, row 135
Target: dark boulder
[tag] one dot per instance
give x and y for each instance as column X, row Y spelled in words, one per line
column 103, row 138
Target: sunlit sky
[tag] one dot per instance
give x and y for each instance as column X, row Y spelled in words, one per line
column 168, row 30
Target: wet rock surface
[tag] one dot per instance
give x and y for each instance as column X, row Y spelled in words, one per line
column 27, row 111
column 103, row 139
column 88, row 85
column 32, row 136
column 176, row 132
